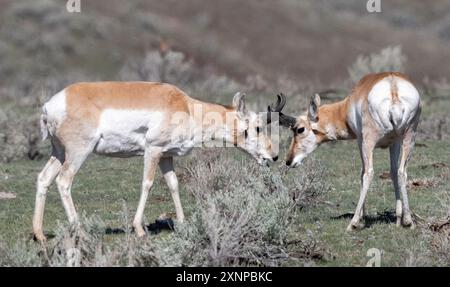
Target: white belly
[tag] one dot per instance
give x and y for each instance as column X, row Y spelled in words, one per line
column 123, row 133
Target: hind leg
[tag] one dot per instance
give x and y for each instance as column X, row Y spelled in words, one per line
column 45, row 179
column 394, row 152
column 407, row 148
column 408, row 143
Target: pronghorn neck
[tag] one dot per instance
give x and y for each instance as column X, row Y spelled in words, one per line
column 332, row 124
column 216, row 122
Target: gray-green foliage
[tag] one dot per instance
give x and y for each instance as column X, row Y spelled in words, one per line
column 19, row 136
column 388, row 59
column 174, row 68
column 171, row 67
column 242, row 216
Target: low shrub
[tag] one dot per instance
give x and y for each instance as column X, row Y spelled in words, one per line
column 241, row 215
column 388, row 59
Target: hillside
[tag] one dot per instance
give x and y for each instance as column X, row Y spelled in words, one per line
column 307, row 40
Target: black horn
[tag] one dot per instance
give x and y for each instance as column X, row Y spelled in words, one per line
column 285, row 120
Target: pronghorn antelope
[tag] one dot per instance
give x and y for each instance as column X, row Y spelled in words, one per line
column 155, row 120
column 383, row 110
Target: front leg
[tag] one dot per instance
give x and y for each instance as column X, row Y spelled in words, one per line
column 366, row 150
column 167, row 169
column 151, row 160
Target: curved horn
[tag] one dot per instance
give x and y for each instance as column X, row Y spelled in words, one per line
column 281, row 101
column 285, row 120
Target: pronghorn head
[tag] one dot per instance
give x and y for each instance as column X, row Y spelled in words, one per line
column 304, row 129
column 249, row 133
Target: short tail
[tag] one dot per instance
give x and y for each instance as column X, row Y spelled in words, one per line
column 394, row 91
column 397, row 110
column 44, row 128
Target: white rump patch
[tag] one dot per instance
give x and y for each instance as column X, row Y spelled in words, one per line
column 393, row 116
column 53, row 113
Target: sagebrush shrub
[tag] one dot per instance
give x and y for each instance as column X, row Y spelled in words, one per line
column 388, row 59
column 434, row 127
column 173, row 67
column 85, row 246
column 19, row 136
column 238, row 220
column 243, row 214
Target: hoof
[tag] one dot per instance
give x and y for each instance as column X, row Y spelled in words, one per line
column 39, row 237
column 408, row 222
column 140, row 232
column 411, row 225
column 350, row 228
column 355, row 226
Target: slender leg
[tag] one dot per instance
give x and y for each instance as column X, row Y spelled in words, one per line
column 74, row 158
column 64, row 182
column 407, row 148
column 394, row 152
column 167, row 168
column 366, row 149
column 45, row 179
column 151, row 157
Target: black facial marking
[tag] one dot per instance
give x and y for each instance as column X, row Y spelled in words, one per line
column 258, row 130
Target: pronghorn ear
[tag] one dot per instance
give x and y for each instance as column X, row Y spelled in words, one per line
column 239, row 103
column 313, row 110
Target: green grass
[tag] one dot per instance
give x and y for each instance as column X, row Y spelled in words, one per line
column 396, row 244
column 103, row 185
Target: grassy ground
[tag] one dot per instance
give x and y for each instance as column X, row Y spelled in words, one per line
column 104, row 186
column 398, row 245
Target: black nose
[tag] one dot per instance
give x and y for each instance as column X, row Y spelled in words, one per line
column 275, row 158
column 288, row 162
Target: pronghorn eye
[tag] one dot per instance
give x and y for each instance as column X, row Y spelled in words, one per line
column 246, row 134
column 258, row 130
column 300, row 130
